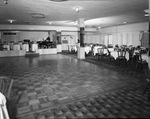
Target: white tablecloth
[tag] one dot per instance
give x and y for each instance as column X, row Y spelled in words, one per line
column 115, row 55
column 34, row 47
column 105, row 51
column 7, row 47
column 25, row 47
column 87, row 49
column 16, row 47
column 95, row 49
column 3, row 109
column 145, row 57
column 111, row 49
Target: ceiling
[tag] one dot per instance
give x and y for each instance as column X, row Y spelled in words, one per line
column 99, row 13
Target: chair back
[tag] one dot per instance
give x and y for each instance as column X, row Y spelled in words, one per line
column 121, row 53
column 109, row 53
column 140, row 56
column 100, row 51
column 6, row 86
column 131, row 52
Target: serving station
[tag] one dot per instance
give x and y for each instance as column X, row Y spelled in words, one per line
column 9, row 50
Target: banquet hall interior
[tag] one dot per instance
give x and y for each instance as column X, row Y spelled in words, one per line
column 74, row 59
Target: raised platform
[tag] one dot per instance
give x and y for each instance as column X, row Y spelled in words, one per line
column 47, row 51
column 12, row 53
column 31, row 54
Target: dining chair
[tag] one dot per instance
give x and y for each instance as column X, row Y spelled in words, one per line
column 110, row 57
column 131, row 53
column 100, row 53
column 141, row 62
column 6, row 84
column 132, row 57
column 121, row 56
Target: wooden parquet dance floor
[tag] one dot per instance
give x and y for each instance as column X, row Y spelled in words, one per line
column 61, row 86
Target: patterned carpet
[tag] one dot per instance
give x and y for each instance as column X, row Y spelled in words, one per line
column 60, row 86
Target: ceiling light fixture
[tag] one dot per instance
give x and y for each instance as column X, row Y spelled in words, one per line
column 11, row 21
column 77, row 8
column 125, row 22
column 5, row 2
column 49, row 23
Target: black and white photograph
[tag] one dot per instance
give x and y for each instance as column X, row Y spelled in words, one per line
column 74, row 59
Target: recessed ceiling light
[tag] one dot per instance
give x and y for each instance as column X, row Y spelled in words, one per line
column 125, row 22
column 5, row 2
column 37, row 15
column 49, row 23
column 77, row 8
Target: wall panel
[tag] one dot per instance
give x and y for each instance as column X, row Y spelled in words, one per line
column 21, row 35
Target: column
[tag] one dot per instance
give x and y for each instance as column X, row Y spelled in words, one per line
column 59, row 46
column 81, row 31
column 148, row 11
column 1, row 39
column 149, row 25
column 81, row 50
